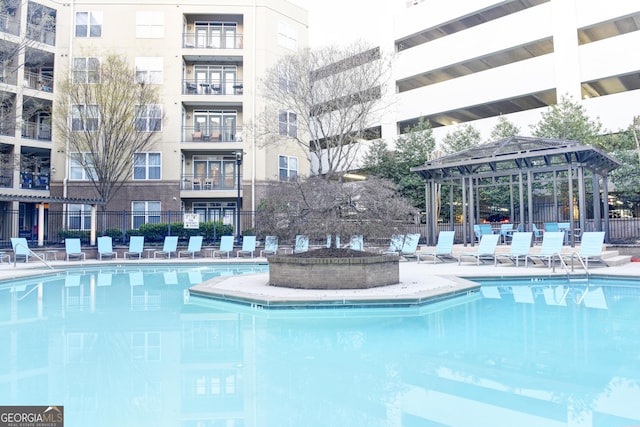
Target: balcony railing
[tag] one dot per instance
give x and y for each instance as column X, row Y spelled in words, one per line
column 38, row 82
column 9, row 24
column 34, row 181
column 209, row 183
column 8, row 77
column 37, row 33
column 196, row 87
column 32, row 130
column 208, row 135
column 208, row 41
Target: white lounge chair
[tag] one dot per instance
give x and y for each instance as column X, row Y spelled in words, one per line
column 105, row 248
column 302, row 244
column 395, row 245
column 519, row 248
column 356, row 243
column 248, row 246
column 170, row 246
column 486, row 249
column 410, row 245
column 444, row 247
column 136, row 246
column 226, row 247
column 194, row 247
column 73, row 249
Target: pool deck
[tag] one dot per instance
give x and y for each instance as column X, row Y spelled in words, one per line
column 419, row 282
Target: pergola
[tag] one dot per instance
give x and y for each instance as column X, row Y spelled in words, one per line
column 552, row 170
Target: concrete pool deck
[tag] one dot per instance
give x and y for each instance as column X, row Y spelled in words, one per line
column 419, row 282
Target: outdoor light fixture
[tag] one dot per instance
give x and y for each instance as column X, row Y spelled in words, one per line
column 238, row 164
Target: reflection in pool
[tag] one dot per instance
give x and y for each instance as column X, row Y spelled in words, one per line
column 128, row 347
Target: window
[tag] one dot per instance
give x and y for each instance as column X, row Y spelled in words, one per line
column 287, row 168
column 149, row 70
column 149, row 25
column 146, row 166
column 287, row 79
column 79, row 217
column 77, row 171
column 288, row 124
column 88, row 24
column 287, row 36
column 85, row 117
column 145, row 213
column 86, row 70
column 145, row 346
column 149, row 118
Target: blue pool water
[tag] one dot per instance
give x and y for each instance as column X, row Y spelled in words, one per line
column 128, row 347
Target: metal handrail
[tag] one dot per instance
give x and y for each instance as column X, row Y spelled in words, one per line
column 32, row 253
column 566, row 268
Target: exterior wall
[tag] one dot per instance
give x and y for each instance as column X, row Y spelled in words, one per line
column 257, row 24
column 562, row 71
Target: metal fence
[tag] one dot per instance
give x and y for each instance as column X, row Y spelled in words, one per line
column 120, row 225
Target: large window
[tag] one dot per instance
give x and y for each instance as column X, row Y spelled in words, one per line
column 216, row 35
column 79, row 217
column 86, row 70
column 89, row 24
column 287, row 36
column 146, row 166
column 145, row 212
column 149, row 70
column 149, row 118
column 85, row 117
column 288, row 124
column 150, row 25
column 77, row 172
column 287, row 168
column 215, row 125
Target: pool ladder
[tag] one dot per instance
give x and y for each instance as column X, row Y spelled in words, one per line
column 566, row 267
column 33, row 254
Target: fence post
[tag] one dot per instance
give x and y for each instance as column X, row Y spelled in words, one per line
column 169, row 223
column 124, row 227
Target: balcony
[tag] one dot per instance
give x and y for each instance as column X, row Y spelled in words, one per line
column 212, row 135
column 195, row 87
column 39, row 34
column 211, row 41
column 9, row 24
column 209, row 183
column 38, row 82
column 34, row 181
column 41, row 132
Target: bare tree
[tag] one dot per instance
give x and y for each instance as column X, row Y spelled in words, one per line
column 318, row 207
column 105, row 115
column 327, row 101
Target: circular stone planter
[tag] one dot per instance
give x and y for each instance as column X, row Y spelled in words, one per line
column 334, row 273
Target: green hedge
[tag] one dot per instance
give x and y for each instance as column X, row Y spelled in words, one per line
column 156, row 232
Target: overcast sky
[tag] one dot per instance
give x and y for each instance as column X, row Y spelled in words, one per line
column 344, row 21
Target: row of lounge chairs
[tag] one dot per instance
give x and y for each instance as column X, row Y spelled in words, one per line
column 520, row 249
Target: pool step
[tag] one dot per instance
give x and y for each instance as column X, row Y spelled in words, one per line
column 616, row 260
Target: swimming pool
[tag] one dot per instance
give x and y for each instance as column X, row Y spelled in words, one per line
column 126, row 347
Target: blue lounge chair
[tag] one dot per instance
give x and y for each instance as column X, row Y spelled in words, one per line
column 519, row 249
column 73, row 249
column 590, row 248
column 105, row 248
column 486, row 249
column 410, row 245
column 21, row 249
column 395, row 244
column 356, row 243
column 302, row 244
column 169, row 247
column 270, row 246
column 226, row 247
column 551, row 248
column 444, row 247
column 248, row 246
column 506, row 230
column 136, row 246
column 194, row 247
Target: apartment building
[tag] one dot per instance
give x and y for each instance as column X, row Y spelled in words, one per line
column 472, row 61
column 206, row 58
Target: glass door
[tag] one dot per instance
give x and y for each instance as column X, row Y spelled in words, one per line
column 229, row 128
column 229, row 175
column 216, row 35
column 230, row 37
column 229, row 82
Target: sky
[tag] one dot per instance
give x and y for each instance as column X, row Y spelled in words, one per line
column 344, row 21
